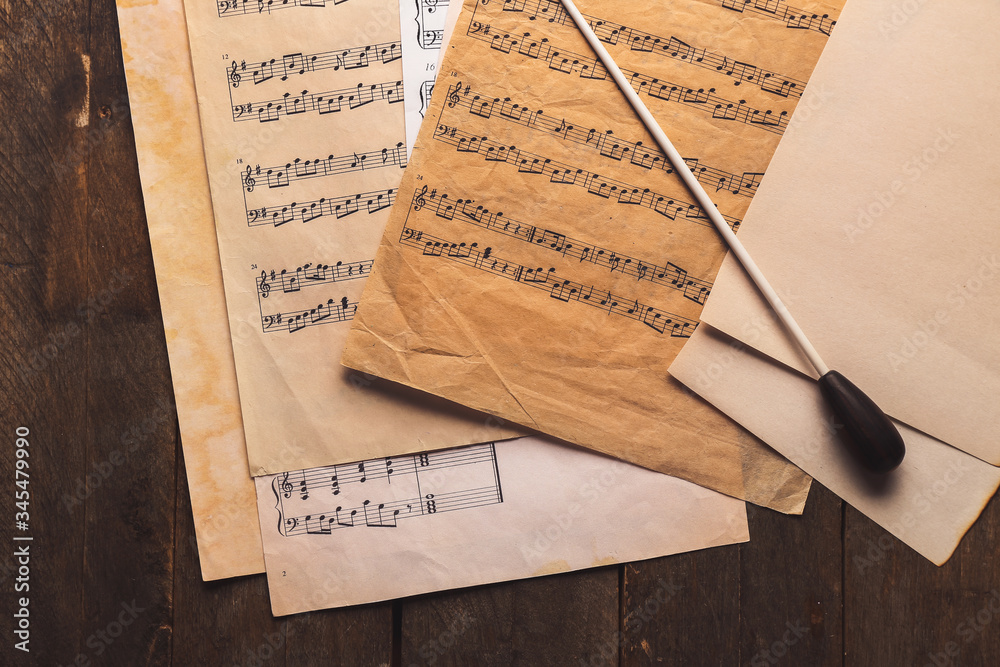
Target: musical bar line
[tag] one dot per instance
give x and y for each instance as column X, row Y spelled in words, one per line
column 604, row 143
column 331, row 312
column 298, row 169
column 706, row 101
column 614, row 34
column 564, row 174
column 387, row 514
column 310, row 275
column 229, row 8
column 669, row 275
column 307, row 211
column 293, row 64
column 558, row 288
column 318, row 501
column 429, row 38
column 334, row 478
column 796, row 19
column 328, row 102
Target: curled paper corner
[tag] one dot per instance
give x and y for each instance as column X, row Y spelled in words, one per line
column 785, row 489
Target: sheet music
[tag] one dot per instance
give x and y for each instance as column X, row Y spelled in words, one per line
column 404, row 525
column 422, row 24
column 302, row 112
column 554, row 263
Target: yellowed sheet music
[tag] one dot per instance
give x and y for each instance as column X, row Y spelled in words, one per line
column 544, row 263
column 186, row 253
column 404, row 525
column 302, row 114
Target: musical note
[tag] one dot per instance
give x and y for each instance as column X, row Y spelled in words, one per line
column 280, row 176
column 606, row 188
column 473, row 212
column 298, row 64
column 403, row 491
column 307, row 211
column 542, row 278
column 333, row 101
column 609, row 32
column 325, row 313
column 613, row 33
column 793, row 18
column 589, row 68
column 227, row 8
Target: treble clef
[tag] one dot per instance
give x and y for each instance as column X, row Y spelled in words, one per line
column 234, row 76
column 265, row 287
column 286, row 486
column 453, row 97
column 419, row 201
column 249, row 180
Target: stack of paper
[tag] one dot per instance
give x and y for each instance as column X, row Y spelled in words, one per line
column 876, row 224
column 303, row 124
column 512, row 254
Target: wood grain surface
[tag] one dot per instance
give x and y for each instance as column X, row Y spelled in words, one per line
column 114, row 578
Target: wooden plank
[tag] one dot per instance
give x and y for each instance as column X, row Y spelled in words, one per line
column 225, row 622
column 348, row 637
column 43, row 378
column 131, row 422
column 565, row 619
column 791, row 597
column 902, row 608
column 682, row 610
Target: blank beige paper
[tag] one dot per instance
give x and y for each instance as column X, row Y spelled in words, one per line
column 400, row 526
column 929, row 502
column 302, row 116
column 189, row 278
column 544, row 264
column 877, row 221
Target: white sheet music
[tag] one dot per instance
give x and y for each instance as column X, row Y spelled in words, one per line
column 422, row 27
column 387, row 528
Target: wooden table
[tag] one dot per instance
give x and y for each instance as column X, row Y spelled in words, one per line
column 114, row 578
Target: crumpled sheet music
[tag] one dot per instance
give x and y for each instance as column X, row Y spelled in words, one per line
column 189, row 279
column 301, row 110
column 545, row 265
column 406, row 525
